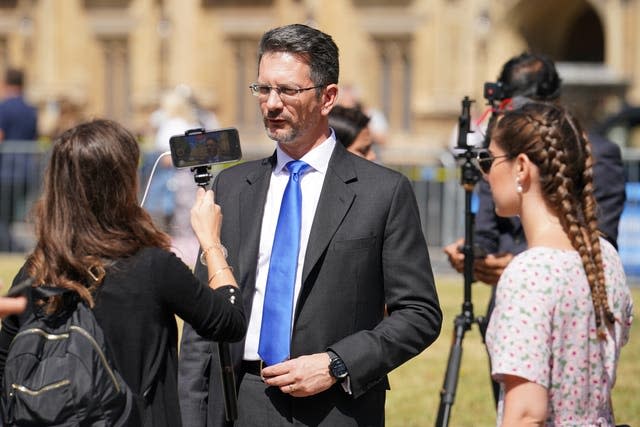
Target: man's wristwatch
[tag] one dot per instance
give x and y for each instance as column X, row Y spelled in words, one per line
column 337, row 368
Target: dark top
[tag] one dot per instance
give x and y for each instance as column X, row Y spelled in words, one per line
column 506, row 235
column 18, row 120
column 136, row 307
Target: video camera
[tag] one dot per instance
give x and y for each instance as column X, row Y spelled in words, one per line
column 494, row 92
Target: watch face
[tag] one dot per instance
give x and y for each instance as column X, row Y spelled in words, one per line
column 338, row 368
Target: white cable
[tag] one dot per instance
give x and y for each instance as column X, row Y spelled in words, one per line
column 153, row 170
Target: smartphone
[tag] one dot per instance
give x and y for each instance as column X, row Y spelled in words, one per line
column 205, row 148
column 478, row 251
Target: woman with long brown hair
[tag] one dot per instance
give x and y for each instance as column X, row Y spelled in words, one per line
column 563, row 308
column 95, row 239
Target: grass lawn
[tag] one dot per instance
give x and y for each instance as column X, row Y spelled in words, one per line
column 414, row 398
column 415, row 395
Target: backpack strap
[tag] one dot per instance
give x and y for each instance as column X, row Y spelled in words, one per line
column 42, row 292
column 69, row 300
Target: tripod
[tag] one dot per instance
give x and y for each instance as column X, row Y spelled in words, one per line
column 466, row 318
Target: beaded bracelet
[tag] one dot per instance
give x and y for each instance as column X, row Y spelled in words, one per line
column 203, row 254
column 228, row 267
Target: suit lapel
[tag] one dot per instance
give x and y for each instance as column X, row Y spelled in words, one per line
column 335, row 200
column 252, row 200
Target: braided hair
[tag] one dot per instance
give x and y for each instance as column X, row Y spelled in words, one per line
column 554, row 141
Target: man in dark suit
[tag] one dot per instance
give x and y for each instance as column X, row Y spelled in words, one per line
column 360, row 247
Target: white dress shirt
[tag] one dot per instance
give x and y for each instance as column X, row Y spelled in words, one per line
column 311, row 186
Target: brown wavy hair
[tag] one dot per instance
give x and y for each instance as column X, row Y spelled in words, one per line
column 555, row 142
column 88, row 214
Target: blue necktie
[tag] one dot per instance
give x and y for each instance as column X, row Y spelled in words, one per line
column 275, row 332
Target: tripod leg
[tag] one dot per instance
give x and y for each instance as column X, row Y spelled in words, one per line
column 448, row 393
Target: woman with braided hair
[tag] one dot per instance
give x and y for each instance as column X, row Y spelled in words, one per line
column 563, row 309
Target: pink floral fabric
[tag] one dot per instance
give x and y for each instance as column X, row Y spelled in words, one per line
column 543, row 329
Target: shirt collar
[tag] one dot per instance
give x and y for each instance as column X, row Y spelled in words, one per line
column 318, row 158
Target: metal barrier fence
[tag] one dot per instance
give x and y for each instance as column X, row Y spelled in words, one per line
column 22, row 164
column 629, row 232
column 21, row 167
column 438, row 192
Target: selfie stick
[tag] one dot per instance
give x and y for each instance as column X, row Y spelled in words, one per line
column 466, row 319
column 202, row 176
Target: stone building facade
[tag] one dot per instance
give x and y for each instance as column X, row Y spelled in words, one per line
column 412, row 59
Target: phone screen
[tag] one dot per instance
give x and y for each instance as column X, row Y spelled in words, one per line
column 201, row 149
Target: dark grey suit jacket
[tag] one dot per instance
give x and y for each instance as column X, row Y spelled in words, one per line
column 366, row 249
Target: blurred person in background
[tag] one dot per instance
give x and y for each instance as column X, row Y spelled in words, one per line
column 18, row 119
column 98, row 242
column 524, row 78
column 352, row 130
column 563, row 309
column 172, row 190
column 18, row 122
column 62, row 114
column 350, row 97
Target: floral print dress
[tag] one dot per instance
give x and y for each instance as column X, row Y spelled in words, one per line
column 543, row 329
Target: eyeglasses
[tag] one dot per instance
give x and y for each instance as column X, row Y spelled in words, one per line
column 484, row 161
column 263, row 91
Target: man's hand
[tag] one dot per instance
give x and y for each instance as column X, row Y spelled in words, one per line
column 456, row 258
column 487, row 270
column 490, row 268
column 302, row 376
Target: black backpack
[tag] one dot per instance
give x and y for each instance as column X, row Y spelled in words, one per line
column 58, row 371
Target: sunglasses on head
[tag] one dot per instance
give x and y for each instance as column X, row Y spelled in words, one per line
column 484, row 160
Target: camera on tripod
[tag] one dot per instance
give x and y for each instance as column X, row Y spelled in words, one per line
column 495, row 92
column 463, row 321
column 464, row 124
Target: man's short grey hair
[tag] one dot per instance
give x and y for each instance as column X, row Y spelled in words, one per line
column 314, row 47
